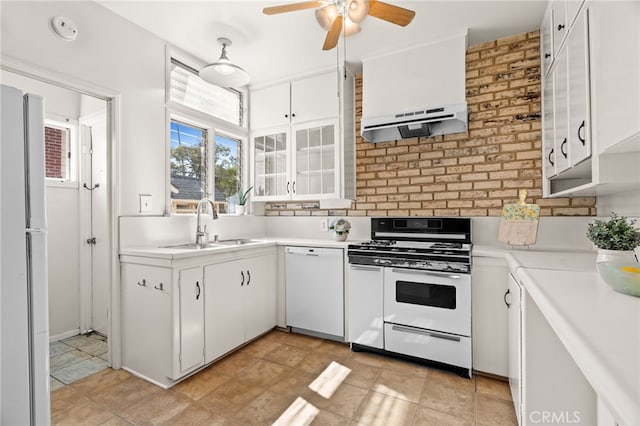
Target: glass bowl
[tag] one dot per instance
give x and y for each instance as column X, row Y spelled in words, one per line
column 623, row 277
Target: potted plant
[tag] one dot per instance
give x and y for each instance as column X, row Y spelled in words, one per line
column 340, row 228
column 615, row 237
column 243, row 198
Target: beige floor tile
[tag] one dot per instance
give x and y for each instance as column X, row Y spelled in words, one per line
column 406, row 367
column 101, row 380
column 287, row 355
column 198, row 385
column 260, row 347
column 335, row 348
column 493, row 387
column 264, row 409
column 263, row 374
column 344, row 401
column 295, row 384
column 428, row 417
column 115, row 421
column 194, row 415
column 85, row 413
column 127, row 392
column 317, row 361
column 227, row 400
column 371, row 359
column 398, row 385
column 302, row 341
column 361, row 375
column 327, row 418
column 156, row 409
column 379, row 409
column 447, row 399
column 233, row 364
column 65, row 398
column 495, row 412
column 277, row 336
column 450, row 379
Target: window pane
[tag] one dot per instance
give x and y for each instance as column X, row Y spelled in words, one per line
column 56, row 143
column 227, row 176
column 188, row 89
column 188, row 167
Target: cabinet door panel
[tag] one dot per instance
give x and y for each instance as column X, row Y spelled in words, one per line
column 260, row 302
column 224, row 308
column 191, row 319
column 548, row 130
column 271, row 165
column 314, row 98
column 546, row 41
column 560, row 113
column 560, row 24
column 515, row 346
column 579, row 123
column 270, row 106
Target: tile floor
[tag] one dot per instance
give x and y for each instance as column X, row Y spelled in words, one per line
column 75, row 358
column 290, row 379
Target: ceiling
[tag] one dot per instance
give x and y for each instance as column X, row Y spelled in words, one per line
column 275, row 47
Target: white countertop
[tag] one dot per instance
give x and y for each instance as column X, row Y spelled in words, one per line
column 599, row 327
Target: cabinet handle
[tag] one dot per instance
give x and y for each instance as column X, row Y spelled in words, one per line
column 547, row 55
column 580, row 129
column 198, row 288
column 293, row 115
column 293, row 187
column 550, row 154
column 560, row 27
column 242, row 275
column 505, row 298
column 406, row 329
column 286, row 116
column 248, row 277
column 288, row 184
column 143, row 284
column 159, row 287
column 564, row 143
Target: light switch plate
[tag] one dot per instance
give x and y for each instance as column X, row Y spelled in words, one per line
column 146, row 205
column 324, row 225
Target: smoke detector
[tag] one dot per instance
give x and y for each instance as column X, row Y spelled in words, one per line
column 63, row 28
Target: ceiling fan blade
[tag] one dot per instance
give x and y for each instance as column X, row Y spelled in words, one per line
column 273, row 10
column 333, row 34
column 390, row 13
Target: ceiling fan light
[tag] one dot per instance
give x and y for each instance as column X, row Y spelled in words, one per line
column 351, row 28
column 224, row 73
column 325, row 15
column 357, row 10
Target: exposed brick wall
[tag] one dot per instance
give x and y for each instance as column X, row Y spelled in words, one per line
column 55, row 152
column 467, row 174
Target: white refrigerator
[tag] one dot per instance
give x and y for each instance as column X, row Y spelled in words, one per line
column 24, row 317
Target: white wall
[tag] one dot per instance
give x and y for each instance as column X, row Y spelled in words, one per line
column 109, row 52
column 623, row 204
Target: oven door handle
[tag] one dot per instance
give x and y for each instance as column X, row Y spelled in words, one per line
column 364, row 268
column 433, row 274
column 396, row 327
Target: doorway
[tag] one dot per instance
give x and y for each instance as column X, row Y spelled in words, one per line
column 79, row 212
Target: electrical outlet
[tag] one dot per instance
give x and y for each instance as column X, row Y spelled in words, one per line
column 145, row 203
column 324, row 225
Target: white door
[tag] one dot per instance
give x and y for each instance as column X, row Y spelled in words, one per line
column 561, row 119
column 270, row 106
column 314, row 98
column 191, row 319
column 548, row 130
column 259, row 295
column 515, row 346
column 366, row 306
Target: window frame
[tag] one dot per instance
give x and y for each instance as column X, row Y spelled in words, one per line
column 72, row 127
column 213, row 126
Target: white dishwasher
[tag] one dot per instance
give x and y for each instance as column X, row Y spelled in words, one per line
column 315, row 291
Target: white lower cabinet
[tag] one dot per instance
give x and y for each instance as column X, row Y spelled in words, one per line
column 179, row 315
column 240, row 302
column 515, row 345
column 365, row 306
column 489, row 315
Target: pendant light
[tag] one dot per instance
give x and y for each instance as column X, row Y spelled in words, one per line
column 224, row 73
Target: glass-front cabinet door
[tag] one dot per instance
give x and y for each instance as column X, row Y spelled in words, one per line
column 271, row 165
column 315, row 160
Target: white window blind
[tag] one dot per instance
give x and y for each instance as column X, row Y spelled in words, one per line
column 188, row 89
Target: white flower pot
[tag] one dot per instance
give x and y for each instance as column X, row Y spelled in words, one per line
column 241, row 209
column 617, row 256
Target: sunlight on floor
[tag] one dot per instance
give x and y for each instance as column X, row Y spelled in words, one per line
column 330, row 379
column 386, row 407
column 300, row 412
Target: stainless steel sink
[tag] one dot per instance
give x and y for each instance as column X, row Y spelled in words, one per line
column 192, row 246
column 235, row 242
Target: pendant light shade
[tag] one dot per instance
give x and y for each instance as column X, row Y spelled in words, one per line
column 224, row 73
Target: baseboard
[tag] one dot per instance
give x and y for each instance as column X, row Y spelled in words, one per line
column 64, row 335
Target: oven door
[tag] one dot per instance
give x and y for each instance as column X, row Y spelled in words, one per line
column 430, row 300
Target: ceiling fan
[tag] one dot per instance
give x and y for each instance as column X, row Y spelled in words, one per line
column 333, row 15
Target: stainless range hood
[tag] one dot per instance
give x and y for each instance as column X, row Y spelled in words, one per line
column 418, row 123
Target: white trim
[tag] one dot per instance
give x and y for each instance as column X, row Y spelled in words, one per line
column 70, row 125
column 64, row 335
column 457, row 35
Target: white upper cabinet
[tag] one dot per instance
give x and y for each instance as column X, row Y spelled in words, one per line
column 311, row 154
column 560, row 114
column 579, row 126
column 560, row 24
column 546, row 41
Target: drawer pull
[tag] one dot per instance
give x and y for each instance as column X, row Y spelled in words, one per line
column 425, row 333
column 159, row 287
column 143, row 284
column 242, row 275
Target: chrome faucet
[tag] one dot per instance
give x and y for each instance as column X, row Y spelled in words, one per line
column 202, row 232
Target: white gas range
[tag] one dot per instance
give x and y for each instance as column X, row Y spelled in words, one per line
column 410, row 290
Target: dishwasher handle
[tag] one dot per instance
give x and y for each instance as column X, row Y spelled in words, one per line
column 313, row 251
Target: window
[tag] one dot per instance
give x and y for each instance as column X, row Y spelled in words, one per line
column 188, row 167
column 189, row 90
column 228, row 175
column 57, row 148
